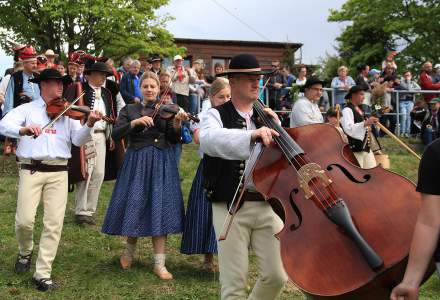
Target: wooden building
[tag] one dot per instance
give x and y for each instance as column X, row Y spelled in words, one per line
column 221, row 51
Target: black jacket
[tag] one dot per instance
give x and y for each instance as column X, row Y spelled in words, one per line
column 161, row 135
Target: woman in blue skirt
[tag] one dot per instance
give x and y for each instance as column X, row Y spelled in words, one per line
column 147, row 199
column 198, row 233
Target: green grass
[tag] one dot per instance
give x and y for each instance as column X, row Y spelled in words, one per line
column 86, row 265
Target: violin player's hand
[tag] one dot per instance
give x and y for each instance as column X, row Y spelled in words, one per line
column 94, row 116
column 181, row 116
column 271, row 113
column 31, row 130
column 265, row 134
column 145, row 121
column 404, row 292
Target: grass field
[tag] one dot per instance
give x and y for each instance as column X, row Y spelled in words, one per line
column 87, row 262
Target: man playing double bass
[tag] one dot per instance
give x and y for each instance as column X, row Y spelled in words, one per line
column 43, row 172
column 227, row 138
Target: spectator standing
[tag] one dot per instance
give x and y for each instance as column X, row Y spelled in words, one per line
column 389, row 59
column 129, row 86
column 218, row 68
column 181, row 77
column 362, row 80
column 381, row 97
column 145, row 64
column 430, row 125
column 302, row 76
column 276, row 83
column 51, row 56
column 436, row 77
column 342, row 83
column 124, row 68
column 60, row 68
column 406, row 102
column 390, row 70
column 426, row 82
column 156, row 64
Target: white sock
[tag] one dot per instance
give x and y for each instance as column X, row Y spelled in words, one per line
column 159, row 260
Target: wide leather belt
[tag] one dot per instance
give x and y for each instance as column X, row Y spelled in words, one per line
column 252, row 196
column 38, row 167
column 99, row 131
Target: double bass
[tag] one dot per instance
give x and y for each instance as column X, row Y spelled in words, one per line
column 347, row 231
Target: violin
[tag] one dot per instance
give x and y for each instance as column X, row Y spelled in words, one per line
column 166, row 112
column 76, row 112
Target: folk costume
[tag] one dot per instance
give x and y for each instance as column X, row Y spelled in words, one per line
column 225, row 138
column 88, row 189
column 43, row 177
column 198, row 233
column 359, row 136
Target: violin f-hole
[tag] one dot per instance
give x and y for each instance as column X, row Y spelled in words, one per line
column 365, row 178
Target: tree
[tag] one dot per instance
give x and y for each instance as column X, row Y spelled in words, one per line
column 116, row 27
column 329, row 67
column 376, row 26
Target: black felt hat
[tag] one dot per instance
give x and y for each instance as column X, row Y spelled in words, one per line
column 51, row 74
column 98, row 67
column 355, row 89
column 311, row 81
column 154, row 57
column 244, row 64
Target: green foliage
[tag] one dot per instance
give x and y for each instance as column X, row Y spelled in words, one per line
column 118, row 27
column 375, row 26
column 329, row 67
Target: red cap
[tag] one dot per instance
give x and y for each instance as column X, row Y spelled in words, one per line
column 28, row 53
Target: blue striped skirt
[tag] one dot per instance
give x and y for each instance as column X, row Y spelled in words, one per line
column 198, row 232
column 147, row 199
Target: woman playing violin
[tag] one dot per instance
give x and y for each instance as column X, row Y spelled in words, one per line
column 147, row 199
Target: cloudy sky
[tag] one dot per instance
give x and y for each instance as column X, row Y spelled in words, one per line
column 303, row 21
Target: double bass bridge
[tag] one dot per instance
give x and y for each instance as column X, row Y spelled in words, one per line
column 307, row 173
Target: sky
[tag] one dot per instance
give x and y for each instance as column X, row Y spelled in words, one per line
column 298, row 21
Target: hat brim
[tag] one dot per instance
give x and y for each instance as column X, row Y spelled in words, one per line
column 64, row 79
column 234, row 72
column 302, row 88
column 107, row 73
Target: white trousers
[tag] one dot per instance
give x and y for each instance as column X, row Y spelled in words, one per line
column 86, row 197
column 254, row 227
column 366, row 160
column 51, row 188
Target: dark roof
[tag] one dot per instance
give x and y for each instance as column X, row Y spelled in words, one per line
column 295, row 46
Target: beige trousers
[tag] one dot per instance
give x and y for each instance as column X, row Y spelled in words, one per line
column 366, row 160
column 254, row 227
column 86, row 197
column 51, row 188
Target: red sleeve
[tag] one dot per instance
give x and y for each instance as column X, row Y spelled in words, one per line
column 426, row 83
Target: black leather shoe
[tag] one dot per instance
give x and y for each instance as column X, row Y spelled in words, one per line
column 23, row 263
column 45, row 284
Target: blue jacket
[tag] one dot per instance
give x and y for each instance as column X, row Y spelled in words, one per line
column 126, row 87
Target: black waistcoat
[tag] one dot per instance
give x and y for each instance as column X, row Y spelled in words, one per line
column 89, row 99
column 221, row 177
column 355, row 144
column 17, row 77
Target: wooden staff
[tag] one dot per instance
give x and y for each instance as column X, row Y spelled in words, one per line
column 384, row 129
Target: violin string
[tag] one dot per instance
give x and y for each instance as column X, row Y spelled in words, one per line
column 283, row 143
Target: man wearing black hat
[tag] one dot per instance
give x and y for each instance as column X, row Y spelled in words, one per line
column 43, row 172
column 357, row 127
column 156, row 64
column 227, row 137
column 99, row 98
column 306, row 110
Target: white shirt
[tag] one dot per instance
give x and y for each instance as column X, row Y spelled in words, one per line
column 99, row 105
column 228, row 143
column 352, row 129
column 305, row 112
column 54, row 143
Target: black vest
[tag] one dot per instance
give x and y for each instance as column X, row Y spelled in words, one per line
column 355, row 144
column 221, row 177
column 19, row 99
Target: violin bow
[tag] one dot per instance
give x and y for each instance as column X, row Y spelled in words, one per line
column 236, row 202
column 61, row 113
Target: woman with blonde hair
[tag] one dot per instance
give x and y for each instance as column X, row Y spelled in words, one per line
column 147, row 199
column 341, row 83
column 198, row 233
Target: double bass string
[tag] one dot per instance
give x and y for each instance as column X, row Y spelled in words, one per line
column 285, row 148
column 285, row 144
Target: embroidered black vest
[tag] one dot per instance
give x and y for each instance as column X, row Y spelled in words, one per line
column 17, row 77
column 355, row 144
